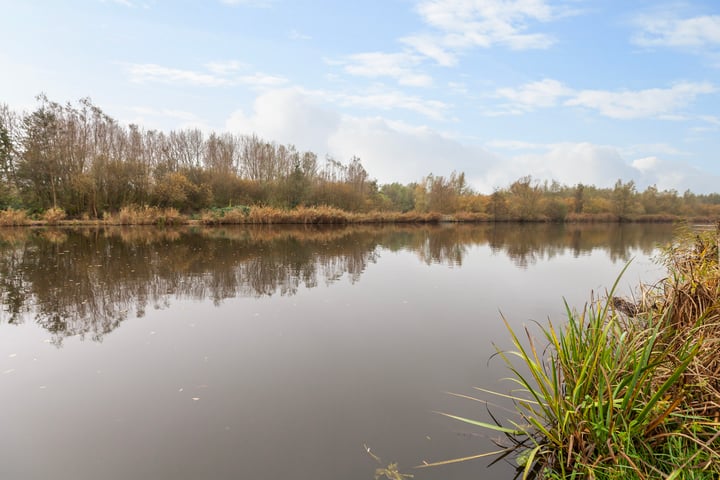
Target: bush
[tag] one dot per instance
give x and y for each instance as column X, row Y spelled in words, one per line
column 53, row 215
column 13, row 218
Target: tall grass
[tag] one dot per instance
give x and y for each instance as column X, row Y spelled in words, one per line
column 135, row 215
column 613, row 396
column 53, row 216
column 13, row 218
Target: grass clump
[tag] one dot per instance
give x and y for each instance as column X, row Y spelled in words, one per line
column 53, row 216
column 226, row 215
column 623, row 393
column 145, row 215
column 13, row 218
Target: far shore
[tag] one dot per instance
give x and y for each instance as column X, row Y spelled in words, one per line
column 259, row 215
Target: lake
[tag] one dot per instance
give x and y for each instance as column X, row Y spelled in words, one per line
column 277, row 352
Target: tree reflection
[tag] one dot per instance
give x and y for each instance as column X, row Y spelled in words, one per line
column 86, row 282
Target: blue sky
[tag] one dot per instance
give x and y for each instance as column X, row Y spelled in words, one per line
column 571, row 90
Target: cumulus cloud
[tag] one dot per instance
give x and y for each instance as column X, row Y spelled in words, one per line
column 288, row 116
column 568, row 163
column 672, row 175
column 390, row 150
column 396, row 151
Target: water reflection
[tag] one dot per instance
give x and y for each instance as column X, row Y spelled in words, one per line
column 86, row 282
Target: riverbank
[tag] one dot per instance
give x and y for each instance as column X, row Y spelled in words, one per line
column 302, row 215
column 625, row 388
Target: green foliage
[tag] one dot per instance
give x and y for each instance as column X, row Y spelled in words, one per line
column 401, row 197
column 613, row 396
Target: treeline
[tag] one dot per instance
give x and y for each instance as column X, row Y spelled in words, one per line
column 76, row 158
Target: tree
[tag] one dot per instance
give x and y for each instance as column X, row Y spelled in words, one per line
column 578, row 198
column 623, row 198
column 401, row 196
column 497, row 207
column 524, row 198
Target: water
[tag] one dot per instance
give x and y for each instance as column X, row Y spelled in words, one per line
column 276, row 353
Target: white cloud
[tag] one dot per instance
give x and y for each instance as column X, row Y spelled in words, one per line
column 463, row 24
column 667, row 31
column 225, row 67
column 516, row 145
column 288, row 116
column 390, row 100
column 431, row 47
column 653, row 149
column 653, row 102
column 670, row 175
column 150, row 72
column 542, row 94
column 660, row 103
column 391, row 151
column 262, row 80
column 159, row 118
column 165, row 112
column 399, row 66
column 220, row 74
column 568, row 163
column 645, row 164
column 711, row 119
column 396, row 151
column 600, row 165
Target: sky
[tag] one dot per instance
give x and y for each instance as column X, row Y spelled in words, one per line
column 578, row 91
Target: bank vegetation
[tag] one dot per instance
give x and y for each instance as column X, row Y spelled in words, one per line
column 624, row 388
column 64, row 162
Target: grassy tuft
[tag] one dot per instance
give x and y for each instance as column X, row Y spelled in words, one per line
column 13, row 218
column 145, row 215
column 53, row 216
column 623, row 393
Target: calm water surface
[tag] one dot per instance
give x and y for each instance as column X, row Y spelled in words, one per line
column 275, row 353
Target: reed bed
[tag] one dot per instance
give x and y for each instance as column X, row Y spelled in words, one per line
column 14, row 218
column 265, row 215
column 622, row 390
column 53, row 216
column 145, row 215
column 320, row 215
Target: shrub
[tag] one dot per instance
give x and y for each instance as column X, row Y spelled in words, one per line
column 13, row 218
column 53, row 215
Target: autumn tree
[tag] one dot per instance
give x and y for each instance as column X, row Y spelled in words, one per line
column 524, row 197
column 579, row 198
column 623, row 198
